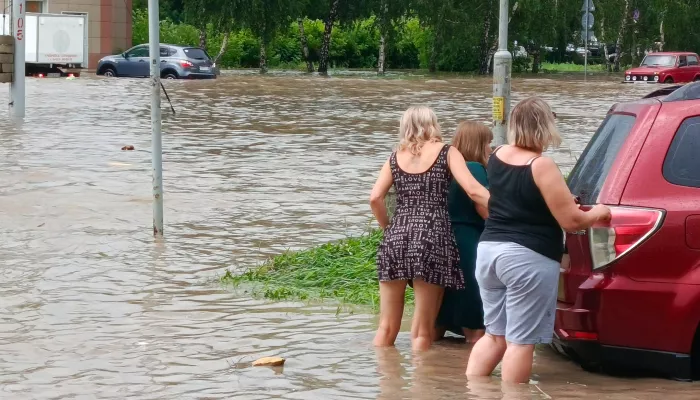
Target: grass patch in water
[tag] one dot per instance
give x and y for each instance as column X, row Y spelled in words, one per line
column 343, row 270
column 571, row 67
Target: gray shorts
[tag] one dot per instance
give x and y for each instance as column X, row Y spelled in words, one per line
column 519, row 290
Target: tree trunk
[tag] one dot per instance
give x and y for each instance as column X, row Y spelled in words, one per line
column 662, row 36
column 606, row 53
column 485, row 45
column 224, row 46
column 263, row 57
column 304, row 46
column 437, row 40
column 432, row 64
column 381, row 67
column 203, row 37
column 435, row 48
column 381, row 59
column 492, row 52
column 325, row 46
column 536, row 60
column 620, row 35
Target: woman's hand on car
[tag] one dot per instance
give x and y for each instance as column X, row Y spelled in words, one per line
column 602, row 213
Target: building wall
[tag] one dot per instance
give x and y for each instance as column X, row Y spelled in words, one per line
column 109, row 24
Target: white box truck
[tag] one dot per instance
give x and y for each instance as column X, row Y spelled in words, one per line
column 56, row 44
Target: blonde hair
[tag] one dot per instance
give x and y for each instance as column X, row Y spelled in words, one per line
column 471, row 139
column 532, row 126
column 419, row 125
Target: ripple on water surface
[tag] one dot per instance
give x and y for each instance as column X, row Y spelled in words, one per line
column 91, row 307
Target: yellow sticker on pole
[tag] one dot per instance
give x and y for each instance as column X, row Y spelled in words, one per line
column 498, row 108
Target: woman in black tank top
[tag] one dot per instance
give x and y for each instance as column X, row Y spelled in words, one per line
column 522, row 244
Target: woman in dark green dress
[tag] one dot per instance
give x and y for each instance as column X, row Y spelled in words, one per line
column 461, row 311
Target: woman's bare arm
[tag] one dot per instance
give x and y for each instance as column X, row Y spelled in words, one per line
column 458, row 167
column 482, row 211
column 376, row 199
column 563, row 206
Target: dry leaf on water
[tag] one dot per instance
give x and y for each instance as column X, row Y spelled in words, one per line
column 269, row 362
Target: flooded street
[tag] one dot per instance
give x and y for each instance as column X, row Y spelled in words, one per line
column 92, row 308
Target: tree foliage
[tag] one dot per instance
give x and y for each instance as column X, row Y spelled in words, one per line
column 446, row 35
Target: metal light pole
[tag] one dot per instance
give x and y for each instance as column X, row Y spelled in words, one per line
column 156, row 137
column 586, row 23
column 502, row 64
column 19, row 29
column 585, row 53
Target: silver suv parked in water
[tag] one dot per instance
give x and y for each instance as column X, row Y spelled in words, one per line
column 176, row 62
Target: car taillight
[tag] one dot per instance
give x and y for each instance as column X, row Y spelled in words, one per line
column 186, row 64
column 628, row 228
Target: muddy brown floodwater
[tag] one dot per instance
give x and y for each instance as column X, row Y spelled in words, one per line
column 92, row 308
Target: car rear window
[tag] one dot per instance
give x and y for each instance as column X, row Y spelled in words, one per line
column 682, row 164
column 588, row 176
column 197, row 54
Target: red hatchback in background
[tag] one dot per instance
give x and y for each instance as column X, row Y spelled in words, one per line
column 677, row 67
column 630, row 297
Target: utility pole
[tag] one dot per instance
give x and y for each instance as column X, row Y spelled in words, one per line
column 19, row 29
column 156, row 136
column 502, row 64
column 587, row 24
column 585, row 54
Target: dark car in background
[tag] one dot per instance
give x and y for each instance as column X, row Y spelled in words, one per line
column 176, row 62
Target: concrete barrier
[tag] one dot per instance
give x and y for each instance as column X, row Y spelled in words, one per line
column 7, row 50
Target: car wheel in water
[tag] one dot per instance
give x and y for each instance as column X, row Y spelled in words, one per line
column 109, row 73
column 697, row 79
column 170, row 76
column 668, row 80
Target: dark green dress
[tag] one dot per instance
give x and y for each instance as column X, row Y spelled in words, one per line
column 463, row 308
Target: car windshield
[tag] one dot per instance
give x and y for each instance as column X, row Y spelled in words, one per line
column 659, row 61
column 197, row 54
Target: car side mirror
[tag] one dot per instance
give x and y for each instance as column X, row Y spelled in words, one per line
column 125, row 55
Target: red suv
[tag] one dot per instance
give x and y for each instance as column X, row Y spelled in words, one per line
column 675, row 67
column 630, row 297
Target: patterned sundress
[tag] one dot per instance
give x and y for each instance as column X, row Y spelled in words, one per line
column 419, row 242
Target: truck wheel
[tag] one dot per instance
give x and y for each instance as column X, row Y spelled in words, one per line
column 109, row 72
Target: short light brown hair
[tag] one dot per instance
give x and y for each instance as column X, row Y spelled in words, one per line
column 419, row 125
column 532, row 126
column 471, row 139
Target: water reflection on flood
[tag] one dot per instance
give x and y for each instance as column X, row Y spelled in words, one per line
column 91, row 307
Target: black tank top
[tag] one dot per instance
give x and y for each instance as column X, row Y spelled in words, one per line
column 518, row 212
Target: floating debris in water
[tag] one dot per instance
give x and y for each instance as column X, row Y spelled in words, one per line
column 129, row 147
column 269, row 362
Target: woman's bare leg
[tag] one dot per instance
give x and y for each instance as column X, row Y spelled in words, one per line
column 486, row 355
column 391, row 303
column 472, row 335
column 423, row 326
column 517, row 363
column 439, row 331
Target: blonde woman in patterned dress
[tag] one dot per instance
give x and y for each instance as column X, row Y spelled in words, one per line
column 418, row 243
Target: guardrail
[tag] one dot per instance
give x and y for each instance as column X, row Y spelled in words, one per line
column 7, row 58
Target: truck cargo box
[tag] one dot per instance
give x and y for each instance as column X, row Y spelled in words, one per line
column 54, row 39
